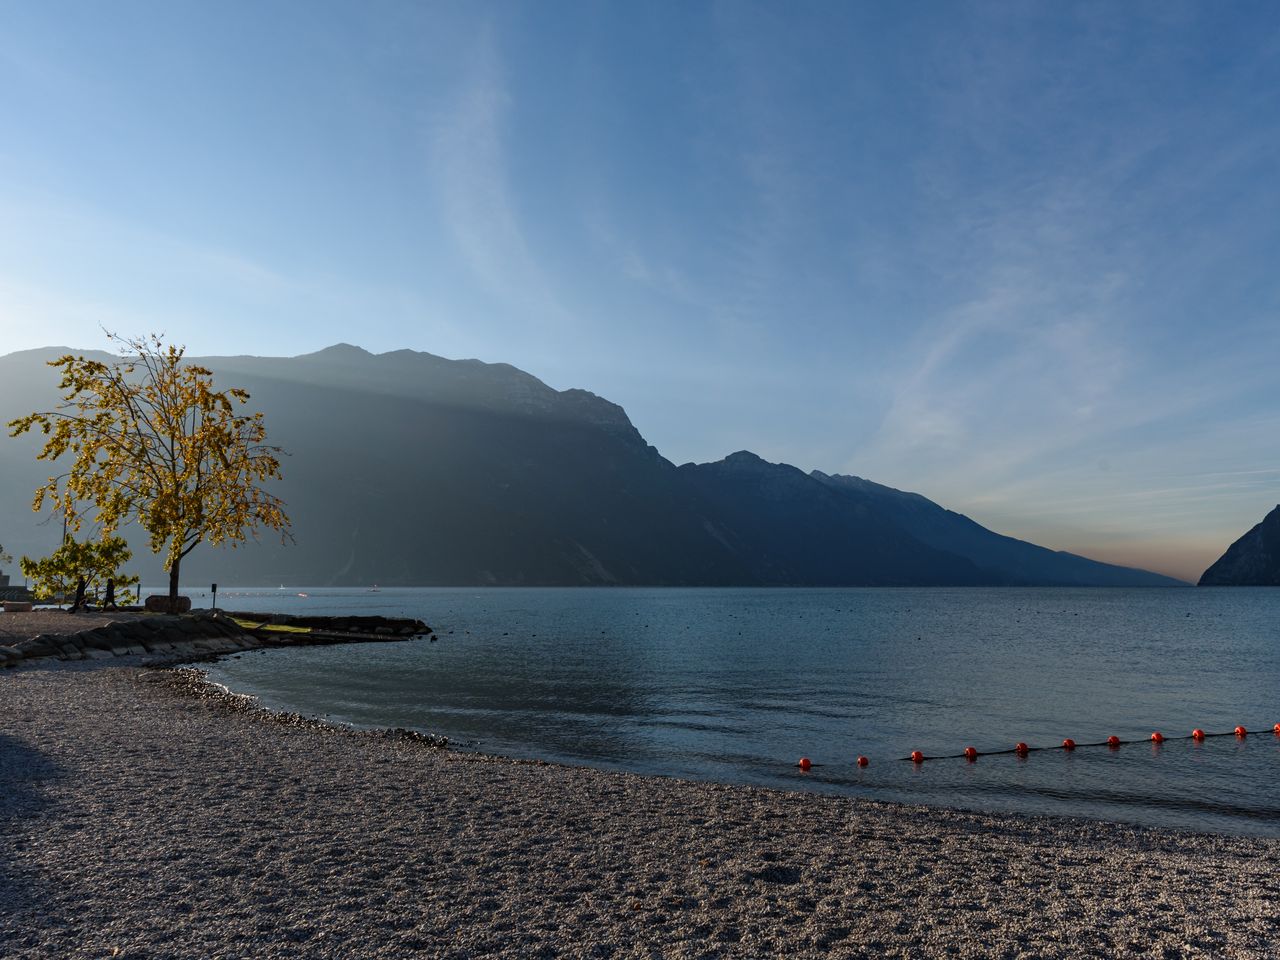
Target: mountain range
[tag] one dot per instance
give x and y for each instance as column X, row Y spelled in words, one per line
column 408, row 468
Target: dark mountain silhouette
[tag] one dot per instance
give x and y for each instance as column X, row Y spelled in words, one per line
column 1252, row 561
column 793, row 530
column 407, row 468
column 1012, row 561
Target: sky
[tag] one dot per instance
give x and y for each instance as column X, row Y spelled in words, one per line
column 1023, row 258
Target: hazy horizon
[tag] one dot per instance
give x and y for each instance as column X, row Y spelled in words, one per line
column 1016, row 259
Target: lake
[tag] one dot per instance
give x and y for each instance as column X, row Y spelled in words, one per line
column 735, row 685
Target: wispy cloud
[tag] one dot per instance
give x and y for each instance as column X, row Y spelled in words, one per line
column 997, row 379
column 764, row 159
column 470, row 171
column 631, row 258
column 1068, row 374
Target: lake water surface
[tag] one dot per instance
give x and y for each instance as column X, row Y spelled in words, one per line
column 735, row 685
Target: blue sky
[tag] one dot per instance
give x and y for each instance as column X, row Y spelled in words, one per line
column 1022, row 257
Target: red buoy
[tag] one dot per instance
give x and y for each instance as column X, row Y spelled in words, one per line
column 1241, row 732
column 1157, row 737
column 1113, row 742
column 1276, row 729
column 863, row 761
column 1197, row 734
column 1068, row 744
column 805, row 763
column 1021, row 749
column 970, row 754
column 917, row 756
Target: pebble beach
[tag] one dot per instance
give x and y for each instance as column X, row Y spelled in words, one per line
column 145, row 813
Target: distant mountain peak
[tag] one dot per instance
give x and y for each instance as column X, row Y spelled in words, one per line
column 746, row 463
column 339, row 351
column 1252, row 561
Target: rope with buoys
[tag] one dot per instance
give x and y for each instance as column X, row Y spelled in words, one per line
column 1113, row 742
column 1021, row 750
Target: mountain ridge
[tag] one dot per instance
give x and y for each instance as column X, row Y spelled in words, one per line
column 410, row 468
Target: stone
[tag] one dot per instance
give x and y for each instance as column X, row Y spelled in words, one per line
column 17, row 606
column 38, row 646
column 94, row 640
column 159, row 603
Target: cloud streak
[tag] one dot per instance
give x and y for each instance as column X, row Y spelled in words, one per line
column 469, row 169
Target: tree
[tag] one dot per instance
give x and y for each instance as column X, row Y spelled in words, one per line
column 151, row 441
column 96, row 562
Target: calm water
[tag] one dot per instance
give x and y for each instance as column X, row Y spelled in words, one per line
column 735, row 685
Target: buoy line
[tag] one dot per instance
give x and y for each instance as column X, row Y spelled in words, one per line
column 1112, row 742
column 1022, row 750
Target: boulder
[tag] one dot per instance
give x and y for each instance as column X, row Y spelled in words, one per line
column 95, row 640
column 159, row 603
column 38, row 646
column 17, row 606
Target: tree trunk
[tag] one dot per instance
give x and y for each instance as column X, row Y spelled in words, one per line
column 173, row 584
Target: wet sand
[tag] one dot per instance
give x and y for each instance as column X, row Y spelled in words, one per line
column 142, row 815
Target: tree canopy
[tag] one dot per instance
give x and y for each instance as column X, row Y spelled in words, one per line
column 95, row 562
column 151, row 441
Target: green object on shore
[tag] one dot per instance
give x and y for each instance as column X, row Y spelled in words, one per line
column 272, row 627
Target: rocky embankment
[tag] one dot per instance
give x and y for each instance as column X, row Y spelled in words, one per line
column 200, row 635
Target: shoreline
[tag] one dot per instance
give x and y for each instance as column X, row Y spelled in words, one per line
column 198, row 684
column 142, row 815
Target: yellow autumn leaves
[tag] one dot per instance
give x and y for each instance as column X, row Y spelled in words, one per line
column 151, row 441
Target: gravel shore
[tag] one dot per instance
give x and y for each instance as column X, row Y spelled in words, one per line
column 142, row 815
